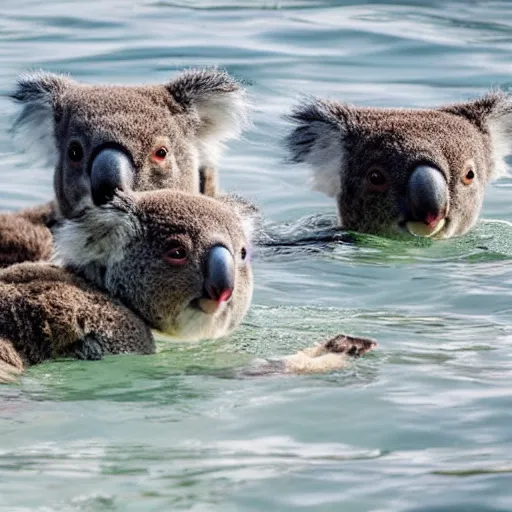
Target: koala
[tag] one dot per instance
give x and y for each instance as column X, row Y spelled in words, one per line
column 165, row 260
column 418, row 172
column 100, row 138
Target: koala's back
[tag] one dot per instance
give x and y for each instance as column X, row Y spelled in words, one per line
column 48, row 312
column 23, row 239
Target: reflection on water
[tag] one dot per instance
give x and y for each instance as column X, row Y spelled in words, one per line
column 489, row 240
column 422, row 423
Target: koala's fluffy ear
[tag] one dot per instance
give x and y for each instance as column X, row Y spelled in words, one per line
column 219, row 104
column 318, row 140
column 491, row 114
column 249, row 214
column 38, row 95
column 99, row 235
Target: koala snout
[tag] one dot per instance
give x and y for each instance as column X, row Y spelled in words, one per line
column 427, row 195
column 111, row 169
column 220, row 274
column 219, row 279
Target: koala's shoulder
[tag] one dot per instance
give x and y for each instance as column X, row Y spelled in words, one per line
column 27, row 273
column 43, row 290
column 42, row 214
column 23, row 240
column 59, row 309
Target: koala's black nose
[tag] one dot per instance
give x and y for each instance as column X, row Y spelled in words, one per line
column 111, row 169
column 220, row 274
column 427, row 195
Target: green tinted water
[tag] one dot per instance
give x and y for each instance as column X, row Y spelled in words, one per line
column 421, row 424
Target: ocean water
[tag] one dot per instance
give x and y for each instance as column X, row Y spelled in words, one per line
column 422, row 424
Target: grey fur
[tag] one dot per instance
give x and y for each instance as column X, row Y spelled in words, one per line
column 115, row 245
column 341, row 143
column 191, row 116
column 115, row 285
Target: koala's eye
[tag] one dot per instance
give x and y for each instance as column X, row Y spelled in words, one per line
column 243, row 253
column 176, row 254
column 75, row 152
column 468, row 177
column 377, row 180
column 160, row 153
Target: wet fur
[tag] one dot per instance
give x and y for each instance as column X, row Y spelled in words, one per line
column 192, row 115
column 340, row 143
column 26, row 235
column 114, row 285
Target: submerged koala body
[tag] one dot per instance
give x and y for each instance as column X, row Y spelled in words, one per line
column 162, row 260
column 154, row 260
column 419, row 172
column 47, row 312
column 103, row 137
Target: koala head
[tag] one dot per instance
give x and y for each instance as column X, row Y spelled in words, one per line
column 181, row 262
column 103, row 137
column 419, row 172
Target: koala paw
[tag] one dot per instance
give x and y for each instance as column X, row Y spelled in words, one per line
column 331, row 355
column 349, row 345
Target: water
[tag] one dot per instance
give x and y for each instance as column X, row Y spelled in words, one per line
column 422, row 424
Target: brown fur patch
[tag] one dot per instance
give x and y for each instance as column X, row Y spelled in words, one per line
column 119, row 283
column 24, row 237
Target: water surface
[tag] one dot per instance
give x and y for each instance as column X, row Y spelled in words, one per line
column 423, row 424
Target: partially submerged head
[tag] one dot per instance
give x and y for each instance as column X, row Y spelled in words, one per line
column 180, row 261
column 421, row 172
